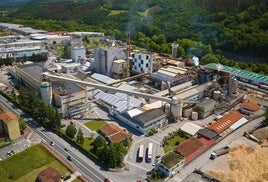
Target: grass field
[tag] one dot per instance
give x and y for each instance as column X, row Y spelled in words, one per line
column 95, row 124
column 87, row 143
column 172, row 142
column 26, row 165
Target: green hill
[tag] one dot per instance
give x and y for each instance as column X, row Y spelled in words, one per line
column 233, row 26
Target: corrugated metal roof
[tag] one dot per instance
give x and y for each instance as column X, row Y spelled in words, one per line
column 102, row 78
column 250, row 106
column 225, row 122
column 239, row 123
column 126, row 86
column 150, row 115
column 208, row 133
column 190, row 128
column 164, row 72
column 189, row 147
column 119, row 101
column 162, row 77
column 134, row 112
column 33, row 69
column 239, row 72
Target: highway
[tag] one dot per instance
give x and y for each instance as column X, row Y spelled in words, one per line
column 79, row 162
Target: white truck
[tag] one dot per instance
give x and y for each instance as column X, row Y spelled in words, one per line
column 219, row 152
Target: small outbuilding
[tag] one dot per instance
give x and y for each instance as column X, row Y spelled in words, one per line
column 113, row 133
column 190, row 128
column 9, row 125
column 250, row 106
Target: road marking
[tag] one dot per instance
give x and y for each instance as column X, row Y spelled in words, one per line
column 154, row 141
column 138, row 166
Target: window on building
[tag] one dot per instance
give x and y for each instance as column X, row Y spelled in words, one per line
column 142, row 61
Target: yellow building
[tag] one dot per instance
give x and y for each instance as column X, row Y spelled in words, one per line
column 9, row 125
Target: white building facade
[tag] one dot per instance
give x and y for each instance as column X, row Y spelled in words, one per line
column 104, row 58
column 142, row 62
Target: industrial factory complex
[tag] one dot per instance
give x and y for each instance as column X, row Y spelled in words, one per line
column 142, row 89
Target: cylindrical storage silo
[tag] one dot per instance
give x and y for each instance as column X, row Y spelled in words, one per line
column 187, row 113
column 194, row 115
column 46, row 92
column 216, row 95
column 167, row 108
column 235, row 86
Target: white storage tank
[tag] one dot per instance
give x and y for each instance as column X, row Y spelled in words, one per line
column 77, row 53
column 187, row 113
column 216, row 95
column 167, row 108
column 194, row 115
column 46, row 92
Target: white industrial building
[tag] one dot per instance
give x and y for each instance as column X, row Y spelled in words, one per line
column 21, row 52
column 191, row 128
column 70, row 98
column 71, row 67
column 49, row 39
column 119, row 68
column 143, row 120
column 171, row 74
column 78, row 53
column 27, row 31
column 13, row 41
column 104, row 58
column 9, row 26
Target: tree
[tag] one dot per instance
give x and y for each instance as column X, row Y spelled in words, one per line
column 80, row 137
column 66, row 52
column 99, row 142
column 70, row 131
column 126, row 142
column 22, row 125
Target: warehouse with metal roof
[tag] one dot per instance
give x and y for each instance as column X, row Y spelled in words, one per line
column 225, row 122
column 242, row 75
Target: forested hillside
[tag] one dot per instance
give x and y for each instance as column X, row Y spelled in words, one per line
column 235, row 27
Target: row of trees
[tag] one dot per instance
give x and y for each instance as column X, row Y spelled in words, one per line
column 112, row 154
column 38, row 109
column 71, row 132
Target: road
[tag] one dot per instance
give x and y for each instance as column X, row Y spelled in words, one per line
column 81, row 162
column 204, row 157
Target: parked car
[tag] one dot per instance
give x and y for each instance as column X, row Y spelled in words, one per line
column 69, row 158
column 67, row 177
column 107, row 180
column 10, row 153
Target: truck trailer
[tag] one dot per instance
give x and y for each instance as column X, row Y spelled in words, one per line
column 219, row 152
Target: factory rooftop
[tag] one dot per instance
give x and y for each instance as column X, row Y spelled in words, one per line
column 239, row 72
column 250, row 106
column 189, row 147
column 33, row 69
column 65, row 88
column 225, row 122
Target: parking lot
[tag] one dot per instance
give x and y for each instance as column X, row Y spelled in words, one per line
column 20, row 144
